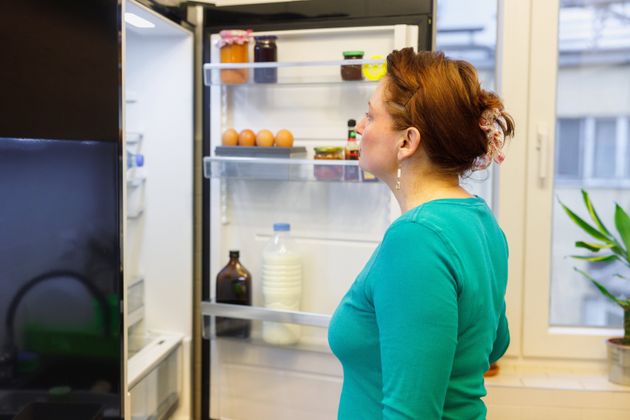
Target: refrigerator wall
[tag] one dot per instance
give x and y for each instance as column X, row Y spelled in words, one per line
column 336, row 225
column 158, row 202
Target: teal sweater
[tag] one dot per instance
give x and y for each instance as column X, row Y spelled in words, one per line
column 425, row 318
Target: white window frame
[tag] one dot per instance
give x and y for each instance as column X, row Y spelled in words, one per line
column 527, row 62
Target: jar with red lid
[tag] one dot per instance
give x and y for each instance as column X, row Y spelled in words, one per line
column 234, row 46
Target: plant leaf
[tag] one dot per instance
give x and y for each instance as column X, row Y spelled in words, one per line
column 601, row 288
column 585, row 226
column 592, row 247
column 597, row 258
column 591, row 211
column 622, row 222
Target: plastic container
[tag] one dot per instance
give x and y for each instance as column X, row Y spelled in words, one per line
column 265, row 51
column 281, row 284
column 135, row 160
column 234, row 48
column 352, row 71
column 328, row 172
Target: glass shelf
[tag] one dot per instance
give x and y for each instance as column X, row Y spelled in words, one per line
column 255, row 339
column 265, row 314
column 255, row 313
column 291, row 73
column 284, row 169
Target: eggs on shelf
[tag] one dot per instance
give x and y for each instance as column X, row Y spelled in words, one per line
column 264, row 138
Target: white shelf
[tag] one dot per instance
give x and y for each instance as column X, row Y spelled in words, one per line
column 135, row 317
column 135, row 215
column 284, row 169
column 133, row 137
column 211, row 78
column 150, row 357
column 135, row 181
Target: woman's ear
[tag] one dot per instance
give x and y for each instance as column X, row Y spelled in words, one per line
column 409, row 143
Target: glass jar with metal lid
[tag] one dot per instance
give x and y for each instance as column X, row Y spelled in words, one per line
column 352, row 71
column 328, row 172
column 265, row 51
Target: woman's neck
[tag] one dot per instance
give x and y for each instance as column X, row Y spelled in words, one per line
column 423, row 186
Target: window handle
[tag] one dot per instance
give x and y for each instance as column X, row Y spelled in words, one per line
column 542, row 149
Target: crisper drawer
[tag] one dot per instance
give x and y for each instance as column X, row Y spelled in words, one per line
column 154, row 376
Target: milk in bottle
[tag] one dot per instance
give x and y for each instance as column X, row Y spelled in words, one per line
column 281, row 284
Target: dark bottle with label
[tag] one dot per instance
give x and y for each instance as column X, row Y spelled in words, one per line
column 234, row 286
column 265, row 51
column 351, row 173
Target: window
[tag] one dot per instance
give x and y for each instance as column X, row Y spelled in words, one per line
column 569, row 148
column 588, row 73
column 470, row 33
column 605, row 148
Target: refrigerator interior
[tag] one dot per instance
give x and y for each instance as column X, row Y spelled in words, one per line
column 336, row 225
column 158, row 202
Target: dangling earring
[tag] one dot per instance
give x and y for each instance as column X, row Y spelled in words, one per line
column 398, row 178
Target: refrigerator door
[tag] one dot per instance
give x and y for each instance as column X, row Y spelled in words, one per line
column 61, row 351
column 158, row 209
column 337, row 218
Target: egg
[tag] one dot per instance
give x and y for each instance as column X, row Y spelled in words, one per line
column 230, row 137
column 284, row 138
column 247, row 138
column 264, row 138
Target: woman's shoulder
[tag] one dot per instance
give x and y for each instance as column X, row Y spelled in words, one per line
column 445, row 213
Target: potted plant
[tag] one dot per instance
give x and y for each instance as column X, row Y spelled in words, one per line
column 605, row 249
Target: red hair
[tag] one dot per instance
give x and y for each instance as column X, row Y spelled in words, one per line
column 444, row 100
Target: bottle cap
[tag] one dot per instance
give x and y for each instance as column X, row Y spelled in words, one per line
column 351, row 122
column 234, row 254
column 139, row 159
column 281, row 227
column 266, row 38
column 349, row 54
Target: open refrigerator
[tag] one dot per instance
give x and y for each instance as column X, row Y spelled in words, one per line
column 170, row 169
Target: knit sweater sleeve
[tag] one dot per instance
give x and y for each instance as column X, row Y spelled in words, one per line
column 414, row 290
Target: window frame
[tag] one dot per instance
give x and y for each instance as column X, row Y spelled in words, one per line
column 527, row 50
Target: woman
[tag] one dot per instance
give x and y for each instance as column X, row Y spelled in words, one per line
column 426, row 317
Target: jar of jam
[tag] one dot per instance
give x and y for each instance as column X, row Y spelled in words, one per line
column 234, row 49
column 265, row 51
column 352, row 71
column 328, row 172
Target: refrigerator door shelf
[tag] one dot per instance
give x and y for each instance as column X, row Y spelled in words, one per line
column 265, row 314
column 292, row 72
column 284, row 169
column 151, row 356
column 154, row 376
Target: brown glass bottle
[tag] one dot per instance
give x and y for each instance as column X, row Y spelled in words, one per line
column 234, row 286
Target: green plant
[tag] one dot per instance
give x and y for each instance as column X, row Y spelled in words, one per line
column 606, row 249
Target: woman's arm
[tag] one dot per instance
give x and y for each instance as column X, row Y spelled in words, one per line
column 414, row 292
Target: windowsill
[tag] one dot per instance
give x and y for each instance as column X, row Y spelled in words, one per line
column 554, row 375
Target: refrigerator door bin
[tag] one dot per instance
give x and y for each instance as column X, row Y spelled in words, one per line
column 290, row 72
column 154, row 378
column 279, row 169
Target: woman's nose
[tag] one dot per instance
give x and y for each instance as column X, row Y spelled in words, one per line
column 359, row 127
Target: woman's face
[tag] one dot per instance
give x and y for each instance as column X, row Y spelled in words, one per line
column 379, row 143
